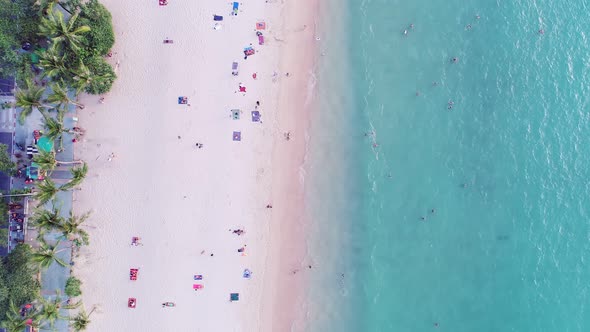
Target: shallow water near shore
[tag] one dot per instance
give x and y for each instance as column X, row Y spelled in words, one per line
column 473, row 218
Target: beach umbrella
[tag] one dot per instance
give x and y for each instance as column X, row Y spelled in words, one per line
column 45, row 144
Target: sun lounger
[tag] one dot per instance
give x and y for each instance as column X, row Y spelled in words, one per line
column 235, row 8
column 237, row 136
column 234, row 68
column 217, row 18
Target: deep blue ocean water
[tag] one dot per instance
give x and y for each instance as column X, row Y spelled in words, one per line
column 506, row 170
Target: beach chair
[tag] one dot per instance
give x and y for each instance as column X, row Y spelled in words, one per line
column 237, row 136
column 235, row 114
column 235, row 8
column 234, row 68
column 234, row 297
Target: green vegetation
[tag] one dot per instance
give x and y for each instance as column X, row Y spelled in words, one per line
column 7, row 166
column 100, row 39
column 56, row 49
column 17, row 278
column 73, row 287
column 19, row 20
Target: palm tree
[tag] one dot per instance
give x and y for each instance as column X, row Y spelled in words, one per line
column 81, row 321
column 72, row 230
column 61, row 33
column 46, row 4
column 55, row 128
column 13, row 322
column 83, row 77
column 50, row 308
column 78, row 175
column 29, row 100
column 46, row 191
column 59, row 96
column 52, row 63
column 46, row 254
column 46, row 161
column 47, row 219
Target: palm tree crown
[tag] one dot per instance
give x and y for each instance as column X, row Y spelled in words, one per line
column 46, row 191
column 71, row 229
column 29, row 100
column 61, row 33
column 52, row 63
column 46, row 254
column 78, row 175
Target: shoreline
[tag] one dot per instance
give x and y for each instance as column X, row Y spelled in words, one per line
column 230, row 182
column 288, row 266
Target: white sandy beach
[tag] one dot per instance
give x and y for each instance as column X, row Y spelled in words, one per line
column 181, row 200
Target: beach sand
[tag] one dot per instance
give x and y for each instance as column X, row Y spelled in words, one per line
column 147, row 177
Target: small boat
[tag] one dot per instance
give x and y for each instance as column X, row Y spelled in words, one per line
column 168, row 304
column 131, row 303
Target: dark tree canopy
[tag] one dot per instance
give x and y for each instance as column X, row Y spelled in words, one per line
column 19, row 277
column 101, row 37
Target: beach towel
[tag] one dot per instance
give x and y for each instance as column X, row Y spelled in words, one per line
column 182, row 100
column 198, row 286
column 235, row 8
column 237, row 136
column 242, row 88
column 217, row 18
column 247, row 274
column 198, row 277
column 234, row 297
column 255, row 116
column 163, row 2
column 260, row 25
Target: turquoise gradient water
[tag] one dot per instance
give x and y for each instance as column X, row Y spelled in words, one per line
column 506, row 170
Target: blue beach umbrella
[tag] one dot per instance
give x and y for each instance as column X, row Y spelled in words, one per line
column 45, row 144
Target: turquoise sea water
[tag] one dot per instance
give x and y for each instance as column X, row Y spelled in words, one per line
column 506, row 169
